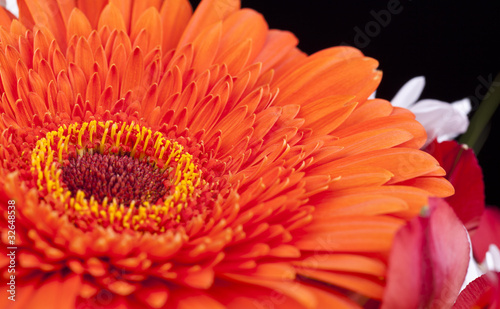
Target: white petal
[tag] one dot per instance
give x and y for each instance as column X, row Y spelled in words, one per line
column 11, row 5
column 440, row 119
column 430, row 105
column 409, row 93
column 372, row 96
column 463, row 106
column 492, row 258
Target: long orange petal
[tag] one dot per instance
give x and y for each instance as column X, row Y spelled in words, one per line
column 112, row 17
column 351, row 234
column 5, row 18
column 175, row 15
column 78, row 25
column 47, row 13
column 92, row 9
column 207, row 13
column 150, row 21
column 342, row 262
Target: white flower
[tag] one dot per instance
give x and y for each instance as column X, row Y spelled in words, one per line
column 11, row 5
column 441, row 120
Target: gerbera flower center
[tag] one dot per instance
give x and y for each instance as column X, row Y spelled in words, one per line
column 116, row 177
column 119, row 175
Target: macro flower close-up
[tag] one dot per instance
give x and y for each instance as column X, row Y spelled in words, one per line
column 153, row 155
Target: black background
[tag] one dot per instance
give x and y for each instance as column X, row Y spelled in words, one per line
column 454, row 44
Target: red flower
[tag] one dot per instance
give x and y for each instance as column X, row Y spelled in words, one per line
column 466, row 176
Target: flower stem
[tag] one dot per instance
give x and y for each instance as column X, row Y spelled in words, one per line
column 482, row 117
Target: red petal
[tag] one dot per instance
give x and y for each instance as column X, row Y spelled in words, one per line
column 480, row 293
column 464, row 172
column 487, row 233
column 428, row 261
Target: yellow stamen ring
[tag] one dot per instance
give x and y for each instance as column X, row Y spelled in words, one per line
column 54, row 150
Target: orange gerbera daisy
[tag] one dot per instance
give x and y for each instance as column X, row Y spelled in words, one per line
column 163, row 159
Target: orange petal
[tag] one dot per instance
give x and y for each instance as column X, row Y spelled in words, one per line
column 205, row 48
column 5, row 18
column 390, row 122
column 140, row 7
column 365, row 286
column 325, row 115
column 66, row 6
column 207, row 13
column 370, row 140
column 237, row 57
column 415, row 198
column 155, row 295
column 24, row 294
column 92, row 10
column 357, row 176
column 439, row 187
column 289, row 289
column 78, row 25
column 46, row 13
column 193, row 299
column 241, row 26
column 370, row 109
column 150, row 21
column 278, row 44
column 331, row 299
column 56, row 292
column 112, row 17
column 84, row 57
column 289, row 73
column 358, row 204
column 350, row 233
column 342, row 262
column 125, row 8
column 175, row 15
column 403, row 163
column 330, row 76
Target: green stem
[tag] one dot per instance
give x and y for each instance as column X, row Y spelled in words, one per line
column 482, row 117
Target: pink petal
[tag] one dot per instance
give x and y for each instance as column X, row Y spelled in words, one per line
column 450, row 254
column 409, row 93
column 428, row 261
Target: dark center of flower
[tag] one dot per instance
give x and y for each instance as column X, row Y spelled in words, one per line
column 117, row 177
